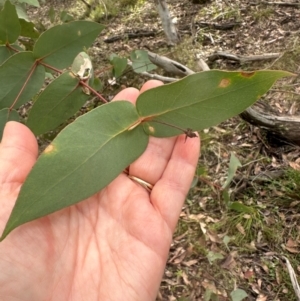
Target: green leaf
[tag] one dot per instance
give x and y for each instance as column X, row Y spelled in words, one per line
column 30, row 2
column 141, row 62
column 59, row 45
column 5, row 116
column 226, row 241
column 212, row 256
column 20, row 79
column 226, row 197
column 238, row 295
column 51, row 14
column 21, row 12
column 49, row 76
column 5, row 53
column 209, row 295
column 82, row 66
column 84, row 158
column 9, row 24
column 202, row 100
column 119, row 64
column 233, row 166
column 97, row 84
column 239, row 207
column 61, row 99
column 66, row 17
column 28, row 29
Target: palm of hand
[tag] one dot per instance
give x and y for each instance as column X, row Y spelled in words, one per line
column 113, row 246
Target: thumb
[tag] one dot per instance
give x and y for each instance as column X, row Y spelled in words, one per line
column 18, row 153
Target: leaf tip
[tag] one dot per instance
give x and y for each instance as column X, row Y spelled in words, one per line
column 5, row 232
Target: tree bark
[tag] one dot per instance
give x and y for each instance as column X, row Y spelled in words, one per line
column 168, row 26
column 285, row 128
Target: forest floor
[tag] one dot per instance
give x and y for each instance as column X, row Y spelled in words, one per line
column 218, row 248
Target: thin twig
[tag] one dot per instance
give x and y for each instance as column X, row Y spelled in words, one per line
column 93, row 91
column 279, row 3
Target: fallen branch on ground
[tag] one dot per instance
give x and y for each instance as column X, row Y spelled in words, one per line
column 130, row 35
column 242, row 58
column 169, row 65
column 278, row 3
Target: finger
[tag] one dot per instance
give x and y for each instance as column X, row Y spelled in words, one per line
column 170, row 191
column 18, row 153
column 151, row 84
column 151, row 164
column 130, row 94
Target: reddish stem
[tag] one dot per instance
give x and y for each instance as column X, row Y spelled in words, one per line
column 24, row 85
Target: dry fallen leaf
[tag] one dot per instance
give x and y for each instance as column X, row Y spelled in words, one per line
column 261, row 298
column 294, row 165
column 240, row 228
column 229, row 263
column 291, row 243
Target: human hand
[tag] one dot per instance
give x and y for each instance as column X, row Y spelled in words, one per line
column 112, row 246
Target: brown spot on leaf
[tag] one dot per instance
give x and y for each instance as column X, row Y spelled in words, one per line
column 225, row 82
column 151, row 130
column 49, row 149
column 247, row 74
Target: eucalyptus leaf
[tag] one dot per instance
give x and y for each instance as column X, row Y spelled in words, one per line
column 82, row 67
column 5, row 116
column 59, row 45
column 61, row 99
column 212, row 256
column 5, row 53
column 28, row 29
column 97, row 84
column 30, row 2
column 66, row 17
column 21, row 11
column 119, row 65
column 238, row 295
column 9, row 24
column 21, row 78
column 141, row 62
column 51, row 14
column 84, row 158
column 202, row 100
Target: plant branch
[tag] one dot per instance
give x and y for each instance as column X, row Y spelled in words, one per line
column 24, row 85
column 82, row 82
column 169, row 65
column 50, row 67
column 188, row 132
column 242, row 58
column 93, row 91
